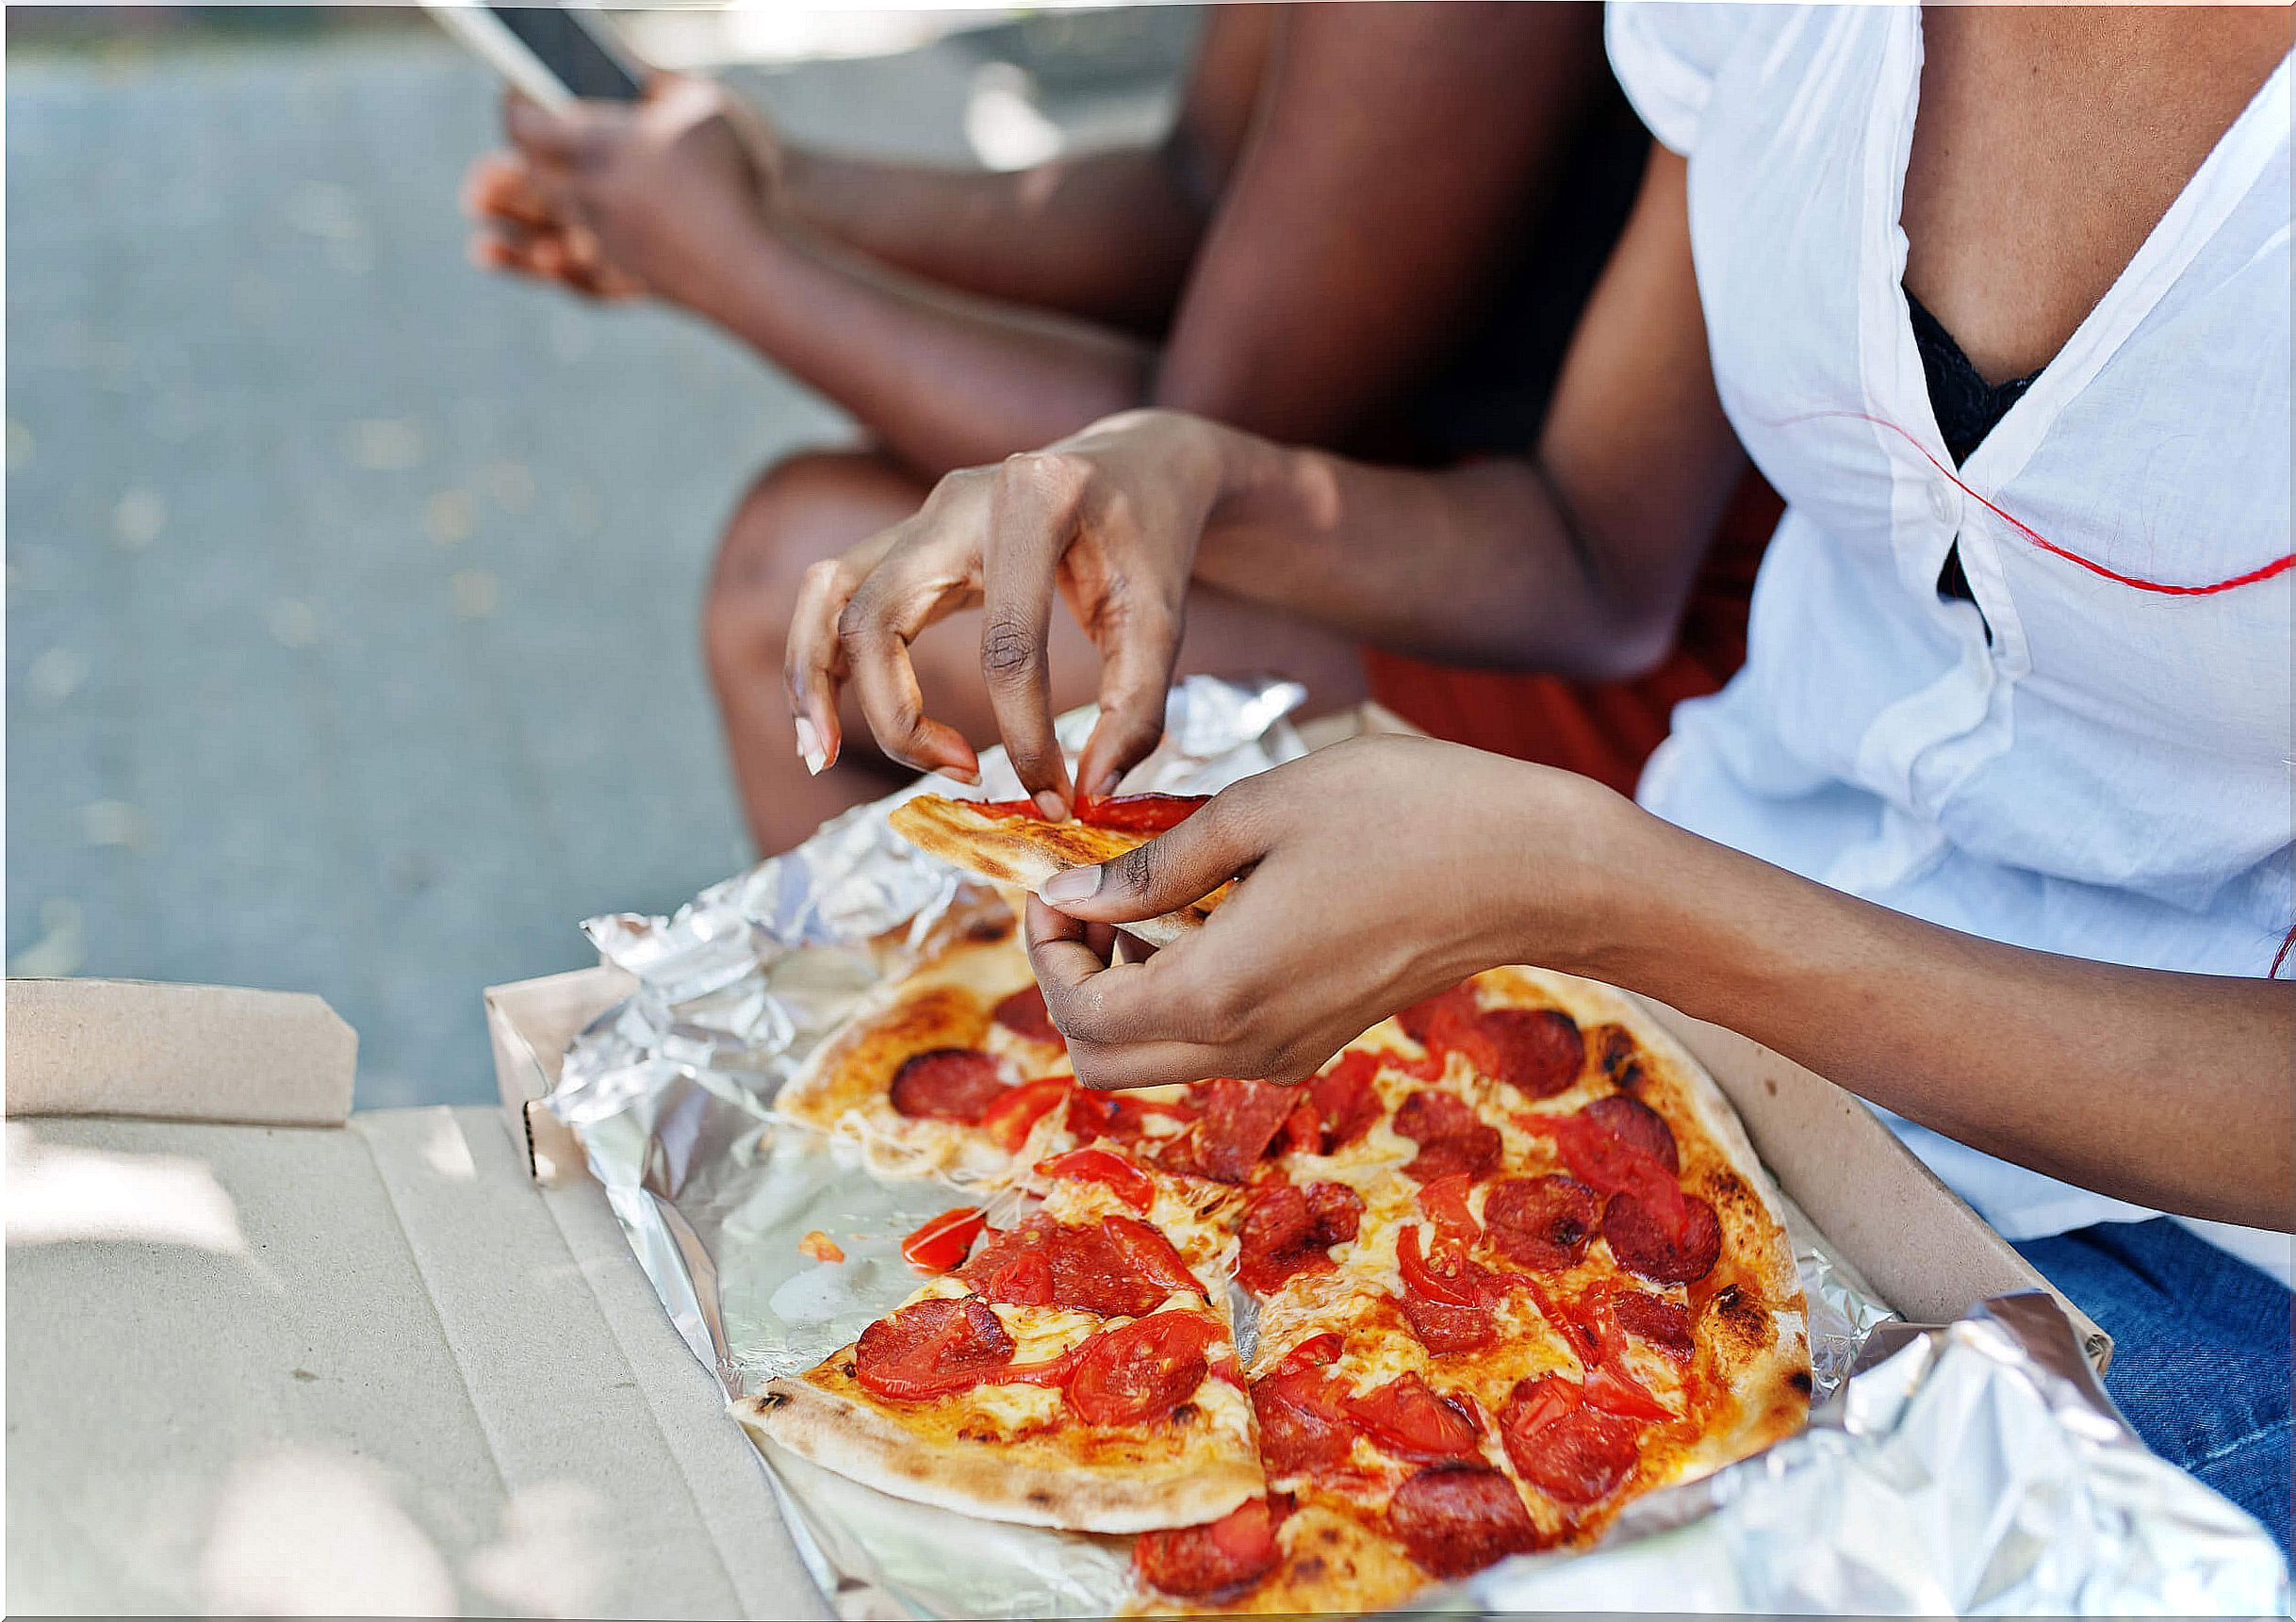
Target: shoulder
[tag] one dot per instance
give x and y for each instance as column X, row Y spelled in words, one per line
column 1668, row 54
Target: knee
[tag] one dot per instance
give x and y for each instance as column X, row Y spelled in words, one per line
column 797, row 511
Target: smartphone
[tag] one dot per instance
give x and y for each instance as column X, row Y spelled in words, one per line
column 555, row 54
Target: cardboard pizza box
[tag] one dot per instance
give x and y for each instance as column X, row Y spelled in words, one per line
column 1912, row 1238
column 266, row 1355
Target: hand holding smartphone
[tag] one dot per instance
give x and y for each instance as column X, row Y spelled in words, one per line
column 553, row 54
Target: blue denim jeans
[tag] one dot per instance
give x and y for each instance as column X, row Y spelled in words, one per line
column 2199, row 1363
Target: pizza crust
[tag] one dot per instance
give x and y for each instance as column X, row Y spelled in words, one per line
column 1000, row 1481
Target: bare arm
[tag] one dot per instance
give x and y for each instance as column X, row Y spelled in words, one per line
column 1577, row 559
column 2176, row 1092
column 1394, row 147
column 1105, row 236
column 2171, row 1090
column 1580, row 557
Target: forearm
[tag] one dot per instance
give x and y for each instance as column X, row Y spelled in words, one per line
column 945, row 380
column 1478, row 564
column 2171, row 1091
column 1108, row 237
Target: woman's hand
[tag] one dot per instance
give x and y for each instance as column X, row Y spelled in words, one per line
column 1111, row 518
column 1377, row 872
column 614, row 199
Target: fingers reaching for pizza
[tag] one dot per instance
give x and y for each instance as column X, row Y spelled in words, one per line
column 1371, row 875
column 1109, row 520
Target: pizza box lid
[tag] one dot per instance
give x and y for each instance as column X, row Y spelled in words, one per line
column 271, row 1355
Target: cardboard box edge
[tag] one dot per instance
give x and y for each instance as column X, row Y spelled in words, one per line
column 177, row 1051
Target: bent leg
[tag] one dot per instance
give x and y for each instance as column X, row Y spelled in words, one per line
column 815, row 505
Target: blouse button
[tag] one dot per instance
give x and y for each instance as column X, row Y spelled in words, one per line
column 1943, row 506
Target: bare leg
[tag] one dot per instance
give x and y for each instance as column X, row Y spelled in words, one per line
column 815, row 505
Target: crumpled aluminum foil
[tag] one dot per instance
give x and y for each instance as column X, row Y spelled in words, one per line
column 1976, row 1469
column 670, row 1092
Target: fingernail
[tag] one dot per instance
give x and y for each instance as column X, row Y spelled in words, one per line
column 969, row 776
column 1049, row 803
column 1071, row 884
column 816, row 759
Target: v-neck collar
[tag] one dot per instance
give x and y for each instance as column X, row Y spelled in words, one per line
column 2215, row 187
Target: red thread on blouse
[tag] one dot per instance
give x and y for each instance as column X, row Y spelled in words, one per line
column 2262, row 572
column 2282, row 955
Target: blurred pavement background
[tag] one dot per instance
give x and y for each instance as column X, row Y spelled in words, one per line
column 350, row 592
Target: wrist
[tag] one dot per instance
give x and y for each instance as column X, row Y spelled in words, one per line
column 1260, row 491
column 1604, row 898
column 751, row 255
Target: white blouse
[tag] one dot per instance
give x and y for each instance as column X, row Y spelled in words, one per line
column 2094, row 756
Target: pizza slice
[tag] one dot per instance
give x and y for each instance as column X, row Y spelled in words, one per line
column 1076, row 1370
column 1010, row 842
column 948, row 1069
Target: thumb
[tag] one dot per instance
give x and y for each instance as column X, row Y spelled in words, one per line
column 1183, row 865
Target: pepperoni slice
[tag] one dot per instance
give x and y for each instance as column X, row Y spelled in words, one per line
column 1455, row 1519
column 1543, row 1223
column 1119, row 1115
column 1575, row 1455
column 1288, row 1229
column 1539, row 1052
column 1637, row 1125
column 1406, row 1417
column 1137, row 813
column 1012, row 1113
column 1150, row 1255
column 940, row 1242
column 1303, row 1427
column 1045, row 1263
column 1446, row 1329
column 1337, row 1210
column 946, row 1083
column 1445, row 1203
column 1660, row 1323
column 1117, row 1172
column 1441, row 1271
column 1346, row 1098
column 1451, row 1137
column 1024, row 1014
column 1601, row 1159
column 1217, row 1561
column 1139, row 1373
column 1014, row 1265
column 1236, row 1122
column 1681, row 1249
column 932, row 1348
column 1439, row 1015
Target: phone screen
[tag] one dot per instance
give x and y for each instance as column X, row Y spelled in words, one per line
column 573, row 53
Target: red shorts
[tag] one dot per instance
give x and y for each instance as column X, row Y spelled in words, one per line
column 1604, row 730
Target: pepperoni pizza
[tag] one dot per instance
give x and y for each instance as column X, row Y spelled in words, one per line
column 1512, row 1259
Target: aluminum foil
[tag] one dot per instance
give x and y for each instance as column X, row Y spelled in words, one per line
column 671, row 1091
column 1971, row 1469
